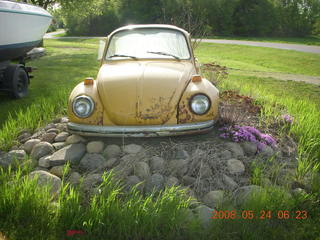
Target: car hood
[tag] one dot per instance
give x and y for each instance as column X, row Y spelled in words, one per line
column 142, row 92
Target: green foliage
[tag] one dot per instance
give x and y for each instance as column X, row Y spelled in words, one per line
column 224, row 17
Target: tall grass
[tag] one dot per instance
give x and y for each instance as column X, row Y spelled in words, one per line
column 29, row 212
column 306, row 126
column 33, row 117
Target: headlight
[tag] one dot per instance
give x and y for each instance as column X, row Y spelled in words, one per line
column 200, row 104
column 83, row 106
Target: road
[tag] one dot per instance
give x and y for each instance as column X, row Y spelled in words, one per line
column 287, row 46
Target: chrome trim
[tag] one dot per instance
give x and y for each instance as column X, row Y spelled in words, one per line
column 90, row 101
column 140, row 131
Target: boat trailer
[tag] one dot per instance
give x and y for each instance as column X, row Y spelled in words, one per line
column 15, row 77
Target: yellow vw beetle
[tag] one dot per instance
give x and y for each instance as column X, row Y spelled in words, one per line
column 149, row 84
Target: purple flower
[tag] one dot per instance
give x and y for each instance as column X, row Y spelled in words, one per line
column 287, row 118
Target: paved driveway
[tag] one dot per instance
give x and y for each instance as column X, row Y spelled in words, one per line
column 287, row 46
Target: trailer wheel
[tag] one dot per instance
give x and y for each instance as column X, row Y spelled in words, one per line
column 18, row 80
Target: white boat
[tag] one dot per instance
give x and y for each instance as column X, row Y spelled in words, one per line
column 22, row 27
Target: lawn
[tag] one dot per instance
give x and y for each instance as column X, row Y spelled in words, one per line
column 28, row 215
column 312, row 40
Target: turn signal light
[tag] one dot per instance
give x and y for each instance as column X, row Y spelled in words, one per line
column 196, row 78
column 88, row 81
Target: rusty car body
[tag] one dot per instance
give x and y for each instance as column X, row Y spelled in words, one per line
column 149, row 84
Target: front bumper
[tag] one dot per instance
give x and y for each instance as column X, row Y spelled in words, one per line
column 140, row 131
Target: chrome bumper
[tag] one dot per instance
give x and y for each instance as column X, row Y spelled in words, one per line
column 140, row 131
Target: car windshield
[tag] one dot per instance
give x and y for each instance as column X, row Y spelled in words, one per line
column 148, row 43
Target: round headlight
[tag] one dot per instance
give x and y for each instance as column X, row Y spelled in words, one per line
column 83, row 106
column 200, row 104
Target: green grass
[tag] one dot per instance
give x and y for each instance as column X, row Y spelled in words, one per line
column 26, row 211
column 260, row 59
column 66, row 64
column 312, row 40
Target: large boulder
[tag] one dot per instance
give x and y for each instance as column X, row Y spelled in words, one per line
column 45, row 178
column 157, row 164
column 95, row 147
column 72, row 153
column 9, row 158
column 244, row 193
column 235, row 166
column 249, row 148
column 28, row 145
column 235, row 149
column 92, row 161
column 41, row 149
column 142, row 170
column 61, row 137
column 132, row 148
column 154, row 183
column 111, row 151
column 213, row 198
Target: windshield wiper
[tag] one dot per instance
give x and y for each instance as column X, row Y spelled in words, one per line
column 122, row 55
column 165, row 54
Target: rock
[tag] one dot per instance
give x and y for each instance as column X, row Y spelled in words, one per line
column 53, row 130
column 61, row 127
column 14, row 156
column 154, row 183
column 64, row 120
column 142, row 170
column 41, row 149
column 226, row 154
column 298, row 192
column 172, row 181
column 157, row 164
column 91, row 181
column 125, row 166
column 24, row 136
column 187, row 180
column 44, row 161
column 235, row 149
column 178, row 167
column 57, row 170
column 58, row 145
column 49, row 126
column 75, row 139
column 235, row 166
column 38, row 133
column 95, row 147
column 17, row 154
column 111, row 151
column 49, row 137
column 45, row 178
column 28, row 145
column 206, row 171
column 213, row 198
column 267, row 151
column 132, row 148
column 111, row 162
column 72, row 153
column 182, row 154
column 132, row 181
column 204, row 213
column 249, row 148
column 229, row 182
column 61, row 137
column 74, row 178
column 92, row 161
column 243, row 194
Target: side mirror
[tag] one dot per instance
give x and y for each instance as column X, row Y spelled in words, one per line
column 102, row 45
